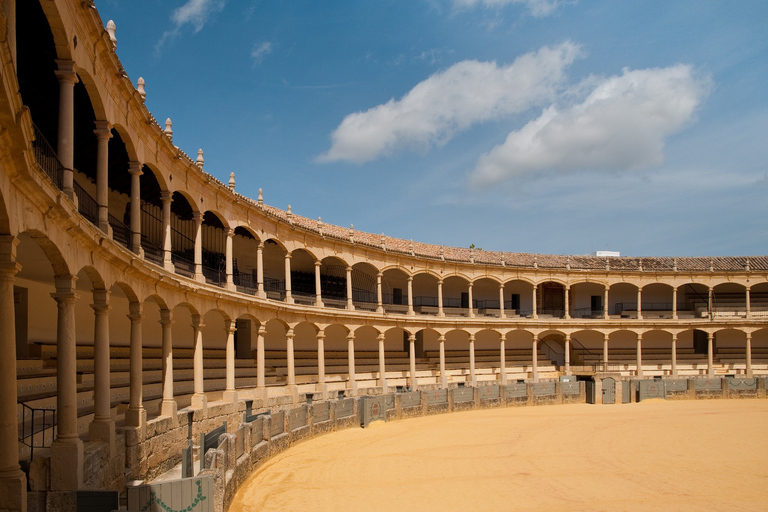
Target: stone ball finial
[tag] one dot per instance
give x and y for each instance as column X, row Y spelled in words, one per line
column 200, row 159
column 111, row 28
column 232, row 181
column 140, row 88
column 168, row 129
column 261, row 197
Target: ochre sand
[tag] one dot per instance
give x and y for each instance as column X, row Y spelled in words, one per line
column 657, row 455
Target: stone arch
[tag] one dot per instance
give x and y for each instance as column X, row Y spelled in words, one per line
column 364, row 286
column 52, row 253
column 518, row 298
column 5, row 220
column 456, row 295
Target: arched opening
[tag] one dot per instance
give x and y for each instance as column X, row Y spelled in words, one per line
column 551, row 299
column 303, row 277
column 693, row 301
column 274, row 270
column 364, row 286
column 425, row 300
column 214, row 241
column 183, row 232
column 586, row 300
column 275, row 360
column 119, row 185
column 623, row 300
column 758, row 300
column 729, row 300
column 657, row 301
column 518, row 299
column 486, row 298
column 586, row 350
column 552, row 344
column 456, row 296
column 151, row 216
column 394, row 284
column 333, row 282
column 245, row 248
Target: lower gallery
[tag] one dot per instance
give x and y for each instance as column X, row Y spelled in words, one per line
column 141, row 317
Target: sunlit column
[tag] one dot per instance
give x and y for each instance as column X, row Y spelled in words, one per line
column 501, row 301
column 605, row 351
column 260, row 271
column 535, row 359
column 290, row 362
column 443, row 375
column 472, row 374
column 674, row 303
column 674, row 354
column 605, row 304
column 567, row 312
column 134, row 169
column 102, row 428
column 639, row 303
column 321, row 360
column 382, row 362
column 136, row 415
column 288, row 297
column 199, row 400
column 749, row 308
column 749, row 353
column 567, row 344
column 318, row 285
column 503, row 359
column 440, row 311
column 230, row 394
column 350, row 303
column 66, row 73
column 535, row 313
column 168, row 406
column 229, row 259
column 379, row 301
column 410, row 295
column 412, row 356
column 351, row 359
column 166, row 198
column 710, row 354
column 103, row 133
column 639, row 371
column 197, row 217
column 471, row 301
column 260, row 370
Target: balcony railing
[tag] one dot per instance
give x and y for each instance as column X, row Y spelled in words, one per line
column 46, row 158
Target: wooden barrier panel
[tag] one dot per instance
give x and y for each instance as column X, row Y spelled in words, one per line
column 489, row 392
column 277, row 426
column 211, row 439
column 707, row 384
column 410, row 399
column 189, row 494
column 516, row 390
column 321, row 411
column 649, row 389
column 463, row 395
column 345, row 408
column 676, row 385
column 570, row 388
column 437, row 397
column 297, row 418
column 543, row 388
column 374, row 408
column 742, row 384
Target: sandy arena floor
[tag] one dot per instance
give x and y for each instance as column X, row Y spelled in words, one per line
column 707, row 455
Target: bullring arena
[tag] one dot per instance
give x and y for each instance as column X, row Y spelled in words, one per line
column 173, row 337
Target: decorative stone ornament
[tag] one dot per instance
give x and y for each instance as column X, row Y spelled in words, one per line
column 200, row 159
column 140, row 88
column 261, row 197
column 168, row 129
column 111, row 28
column 232, row 181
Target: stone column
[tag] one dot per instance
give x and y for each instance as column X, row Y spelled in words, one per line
column 321, row 361
column 443, row 375
column 503, row 360
column 230, row 395
column 639, row 303
column 709, row 303
column 260, row 371
column 605, row 305
column 288, row 297
column 710, row 353
column 318, row 285
column 412, row 356
column 410, row 295
column 639, row 371
column 134, row 169
column 66, row 73
column 289, row 359
column 229, row 259
column 749, row 353
column 382, row 363
column 13, row 481
column 103, row 133
column 136, row 415
column 379, row 298
column 535, row 359
column 472, row 374
column 567, row 344
column 471, row 301
column 674, row 303
column 567, row 309
column 168, row 406
column 749, row 308
column 535, row 305
column 674, row 355
column 102, row 428
column 501, row 301
column 260, row 271
column 199, row 399
column 198, row 218
column 166, row 198
column 605, row 351
column 350, row 302
column 440, row 311
column 351, row 356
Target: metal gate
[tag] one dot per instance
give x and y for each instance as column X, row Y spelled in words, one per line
column 609, row 391
column 590, row 389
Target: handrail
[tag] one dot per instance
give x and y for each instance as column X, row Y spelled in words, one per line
column 46, row 158
column 38, row 423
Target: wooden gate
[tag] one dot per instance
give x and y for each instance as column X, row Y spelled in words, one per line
column 609, row 390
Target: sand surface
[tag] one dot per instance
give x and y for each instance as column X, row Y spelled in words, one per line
column 657, row 455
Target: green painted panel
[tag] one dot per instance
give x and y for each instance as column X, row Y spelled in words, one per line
column 345, row 408
column 322, row 411
column 297, row 418
column 489, row 392
column 649, row 389
column 277, row 425
column 543, row 388
column 676, row 385
column 712, row 384
column 516, row 390
column 461, row 395
column 742, row 384
column 410, row 399
column 570, row 388
column 437, row 397
column 189, row 494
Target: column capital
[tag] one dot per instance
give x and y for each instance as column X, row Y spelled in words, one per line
column 65, row 284
column 66, row 71
column 197, row 322
column 134, row 168
column 320, row 334
column 9, row 269
column 567, row 337
column 288, row 255
column 471, row 338
column 101, row 302
column 441, row 338
column 8, row 244
column 351, row 336
column 318, row 263
column 197, row 217
column 469, row 285
column 230, row 232
column 230, row 326
column 289, row 333
column 261, row 330
column 166, row 196
column 380, row 274
column 748, row 335
column 103, row 130
column 674, row 336
column 410, row 279
column 260, row 246
column 166, row 318
column 381, row 337
column 411, row 337
column 134, row 311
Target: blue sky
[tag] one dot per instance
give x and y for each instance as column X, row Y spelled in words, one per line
column 517, row 125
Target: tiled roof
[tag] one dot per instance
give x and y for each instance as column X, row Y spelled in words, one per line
column 511, row 259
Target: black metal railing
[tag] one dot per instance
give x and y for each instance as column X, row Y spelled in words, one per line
column 120, row 232
column 587, row 313
column 47, row 159
column 34, row 424
column 86, row 205
column 184, row 265
column 245, row 283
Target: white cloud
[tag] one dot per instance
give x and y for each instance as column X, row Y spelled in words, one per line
column 621, row 125
column 538, row 8
column 260, row 51
column 195, row 13
column 450, row 101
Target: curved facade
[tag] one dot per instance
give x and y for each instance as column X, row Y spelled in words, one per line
column 117, row 246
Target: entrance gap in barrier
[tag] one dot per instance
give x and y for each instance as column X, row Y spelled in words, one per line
column 210, row 440
column 609, row 390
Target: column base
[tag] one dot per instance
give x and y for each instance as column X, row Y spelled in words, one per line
column 103, row 430
column 66, row 464
column 263, row 395
column 106, row 228
column 199, row 401
column 169, row 408
column 380, row 309
column 169, row 266
column 322, row 388
column 261, row 294
column 383, row 385
column 229, row 396
column 352, row 387
column 289, row 300
column 292, row 390
column 231, row 286
column 350, row 307
column 319, row 304
column 13, row 490
column 136, row 417
column 200, row 278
